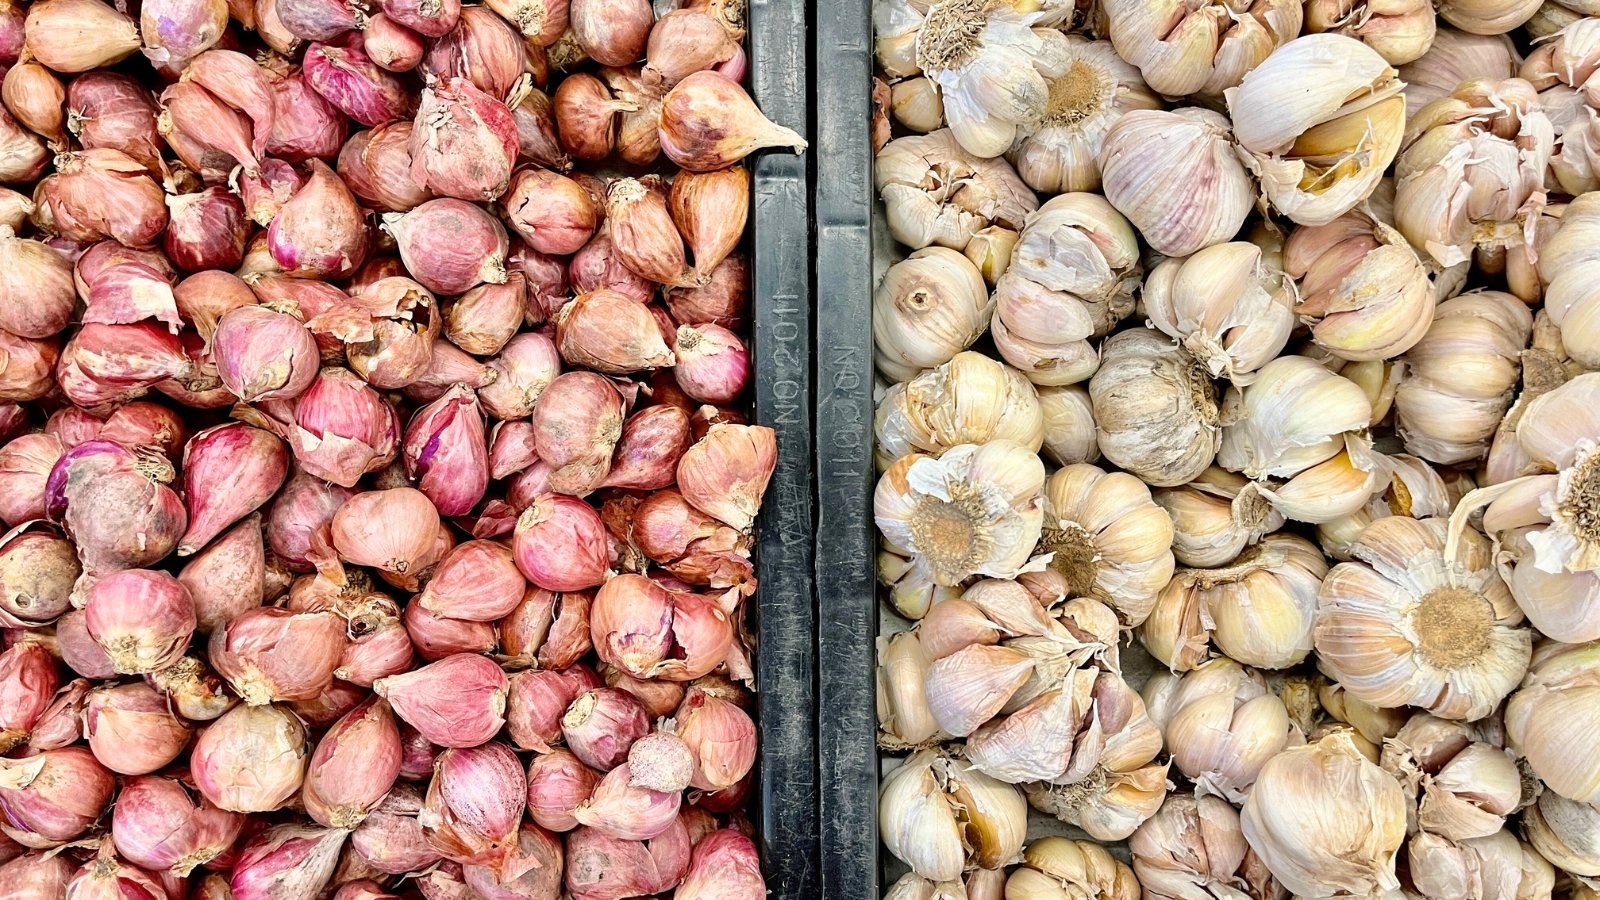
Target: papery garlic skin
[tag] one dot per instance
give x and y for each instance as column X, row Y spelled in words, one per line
column 1107, row 539
column 1226, row 305
column 1199, row 48
column 1193, row 848
column 1080, row 245
column 1060, row 152
column 1056, row 867
column 1220, row 724
column 934, row 192
column 1570, row 263
column 1455, row 56
column 1565, row 832
column 1471, row 169
column 1458, row 379
column 973, row 511
column 1363, row 290
column 1319, row 121
column 1176, row 176
column 971, row 399
column 928, row 307
column 1326, row 821
column 1558, row 700
column 1155, row 407
column 1559, row 69
column 1400, row 32
column 1216, row 516
column 940, row 816
column 1405, row 627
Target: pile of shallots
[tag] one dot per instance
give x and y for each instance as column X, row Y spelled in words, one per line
column 379, row 485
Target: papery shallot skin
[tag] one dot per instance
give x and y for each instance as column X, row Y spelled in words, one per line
column 287, row 861
column 159, row 824
column 27, row 684
column 252, row 759
column 271, row 654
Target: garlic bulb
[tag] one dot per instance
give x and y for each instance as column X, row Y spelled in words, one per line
column 1199, row 47
column 1326, row 821
column 934, row 192
column 1060, row 152
column 1558, row 702
column 973, row 511
column 1220, row 724
column 1363, row 290
column 1055, row 868
column 912, row 590
column 1123, row 785
column 1459, row 378
column 938, row 816
column 1485, row 868
column 1259, row 610
column 904, row 719
column 1454, row 57
column 1216, row 516
column 1560, row 69
column 1052, row 346
column 930, row 306
column 1293, row 416
column 1570, row 265
column 1372, row 723
column 1463, row 787
column 971, row 399
column 1400, row 31
column 1487, row 16
column 1414, row 490
column 990, row 65
column 1069, row 433
column 1155, row 407
column 1225, row 305
column 1471, row 171
column 912, row 886
column 1405, row 627
column 916, row 104
column 1080, row 245
column 1176, row 176
column 1038, row 741
column 1193, row 849
column 1106, row 539
column 1566, row 833
column 1320, row 120
column 1545, row 367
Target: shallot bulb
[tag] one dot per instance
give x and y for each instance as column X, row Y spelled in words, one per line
column 354, row 766
column 228, row 472
column 53, row 797
column 482, row 48
column 25, row 466
column 131, row 729
column 597, row 265
column 142, row 619
column 476, row 581
column 446, row 453
column 107, row 876
column 56, row 33
column 377, row 166
column 720, row 736
column 299, row 518
column 464, row 143
column 649, row 632
column 287, row 861
column 429, row 18
column 391, row 45
column 576, row 426
column 206, row 230
column 229, row 577
column 725, row 866
column 394, row 530
column 710, row 211
column 642, row 231
column 525, row 368
column 263, row 354
column 340, row 428
column 320, row 232
column 708, row 122
column 252, row 759
column 391, row 839
column 109, row 110
column 725, row 473
column 560, row 544
column 550, row 211
column 713, row 364
column 271, row 654
column 450, row 245
column 612, row 32
column 28, row 683
column 601, row 725
column 37, row 296
column 557, row 783
column 102, row 193
column 586, row 116
column 485, row 318
column 609, row 332
column 602, row 866
column 459, row 701
column 159, row 825
column 621, row 808
column 475, row 803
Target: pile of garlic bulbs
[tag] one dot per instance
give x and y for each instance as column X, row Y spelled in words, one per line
column 1256, row 345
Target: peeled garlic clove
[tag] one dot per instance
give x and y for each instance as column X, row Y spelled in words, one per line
column 1291, row 417
column 969, row 400
column 1459, row 378
column 1156, row 409
column 1107, row 538
column 1325, row 820
column 934, row 192
column 1455, row 56
column 1199, row 47
column 1060, row 152
column 973, row 511
column 1056, row 867
column 1226, row 305
column 929, row 307
column 1557, row 700
column 1176, row 176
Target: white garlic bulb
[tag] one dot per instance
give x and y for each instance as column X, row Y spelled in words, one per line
column 1566, row 833
column 1560, row 69
column 1080, row 245
column 1484, row 868
column 912, row 886
column 1319, row 120
column 1038, row 742
column 1216, row 516
column 1177, row 178
column 934, row 192
column 1488, row 140
column 1193, row 849
column 1060, row 152
column 1405, row 627
column 1155, row 407
column 1199, row 47
column 990, row 65
column 1220, row 723
column 1487, row 16
column 1363, row 290
column 1055, row 868
column 1230, row 309
column 938, row 816
column 1259, row 610
column 1326, row 821
column 904, row 719
column 1463, row 786
column 1570, row 265
column 930, row 306
column 1558, row 703
column 1400, row 31
column 1043, row 333
column 1069, row 433
column 1459, row 378
column 1106, row 539
column 972, row 511
column 971, row 399
column 1293, row 416
column 1456, row 56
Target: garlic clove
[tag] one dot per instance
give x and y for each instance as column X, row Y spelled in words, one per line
column 1176, row 177
column 969, row 687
